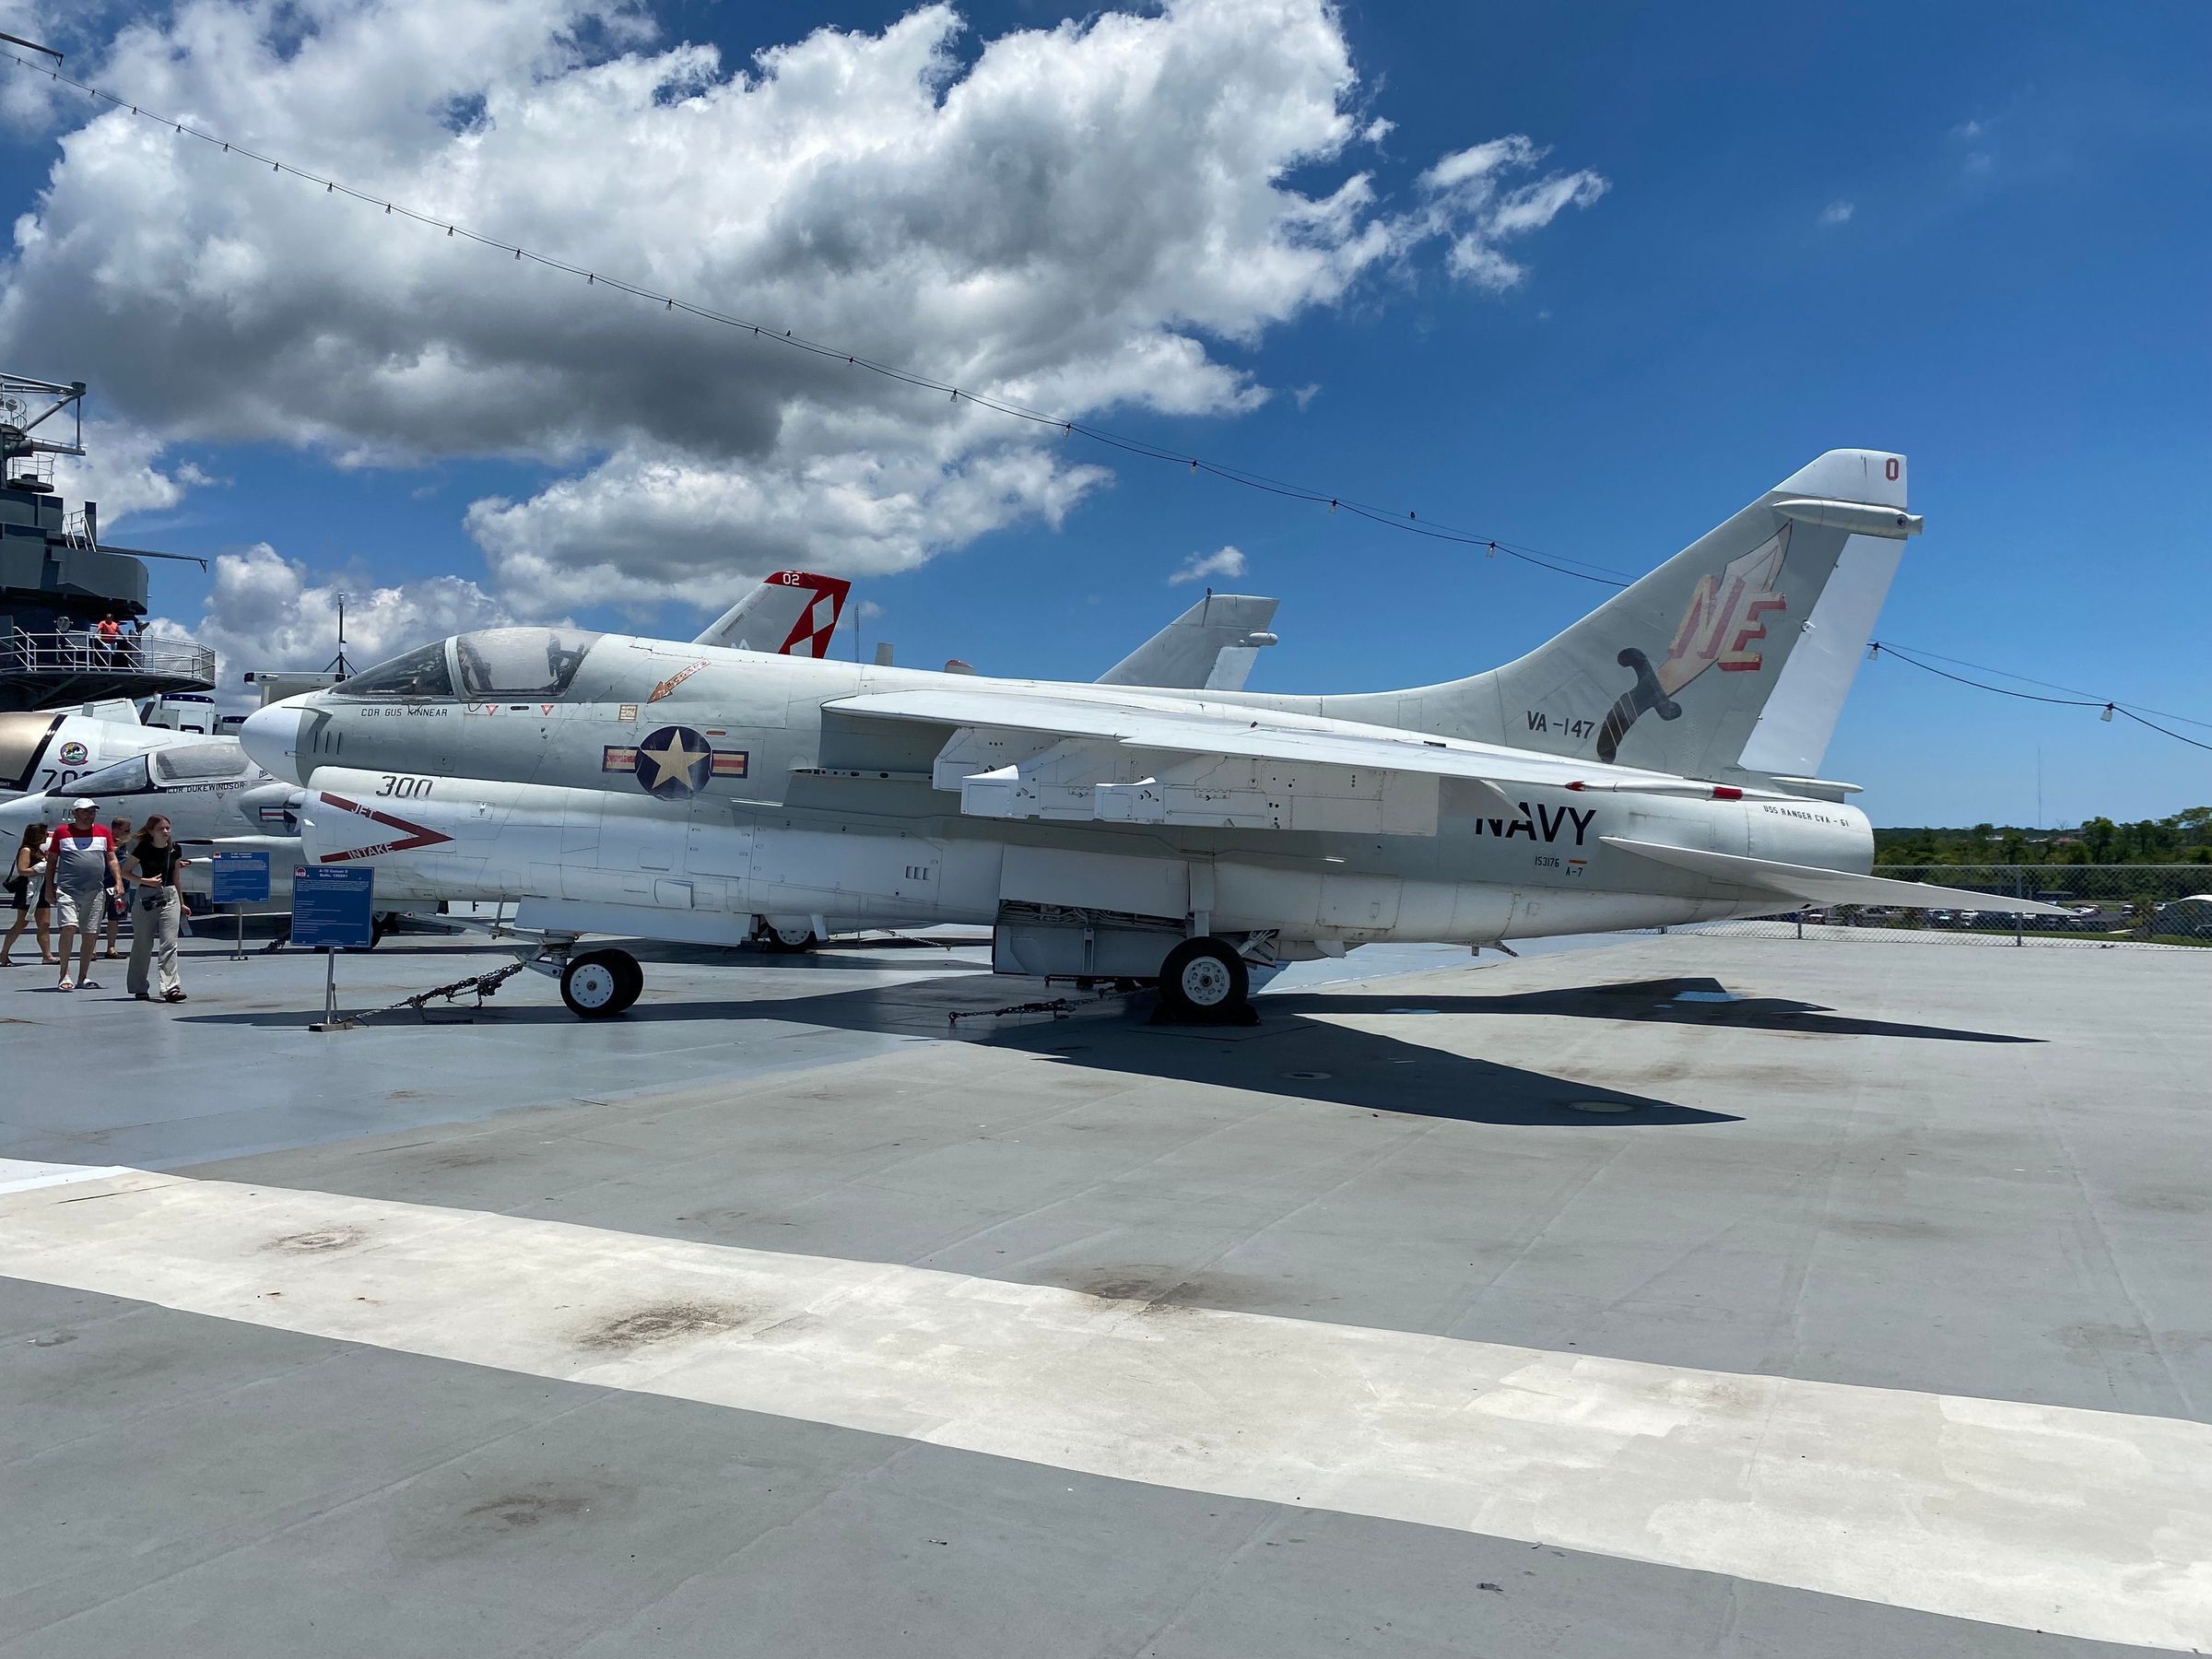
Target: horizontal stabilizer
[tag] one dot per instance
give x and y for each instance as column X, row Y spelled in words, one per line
column 1806, row 882
column 1825, row 789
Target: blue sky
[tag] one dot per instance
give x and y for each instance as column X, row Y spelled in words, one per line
column 1977, row 234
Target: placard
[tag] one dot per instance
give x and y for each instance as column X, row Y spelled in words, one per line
column 334, row 909
column 238, row 877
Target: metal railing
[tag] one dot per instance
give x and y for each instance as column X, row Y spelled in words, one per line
column 2109, row 905
column 33, row 471
column 73, row 652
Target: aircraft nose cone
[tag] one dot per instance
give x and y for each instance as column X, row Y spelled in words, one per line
column 271, row 740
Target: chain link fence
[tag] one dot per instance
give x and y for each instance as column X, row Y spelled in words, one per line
column 2111, row 905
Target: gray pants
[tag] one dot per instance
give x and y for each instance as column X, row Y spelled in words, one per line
column 154, row 934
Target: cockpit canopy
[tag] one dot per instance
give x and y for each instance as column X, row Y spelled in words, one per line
column 200, row 763
column 178, row 764
column 521, row 661
column 491, row 663
column 126, row 777
column 423, row 672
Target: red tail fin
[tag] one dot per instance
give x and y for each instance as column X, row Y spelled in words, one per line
column 796, row 607
column 817, row 618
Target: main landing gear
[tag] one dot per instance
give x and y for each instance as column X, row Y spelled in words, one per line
column 1203, row 981
column 785, row 934
column 599, row 985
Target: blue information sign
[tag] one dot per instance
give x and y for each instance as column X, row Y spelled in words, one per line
column 238, row 877
column 333, row 908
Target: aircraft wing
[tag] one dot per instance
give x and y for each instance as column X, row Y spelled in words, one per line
column 1805, row 883
column 1022, row 754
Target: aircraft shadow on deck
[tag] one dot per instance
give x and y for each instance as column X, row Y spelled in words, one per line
column 1291, row 1055
column 1646, row 1000
column 1286, row 1054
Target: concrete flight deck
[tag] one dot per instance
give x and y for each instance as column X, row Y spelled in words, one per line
column 1684, row 1295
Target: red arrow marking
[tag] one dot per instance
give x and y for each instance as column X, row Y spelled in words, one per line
column 416, row 836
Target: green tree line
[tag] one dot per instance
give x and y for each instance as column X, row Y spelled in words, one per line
column 2185, row 838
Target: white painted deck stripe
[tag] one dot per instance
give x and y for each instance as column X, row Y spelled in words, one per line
column 2086, row 1522
column 17, row 1175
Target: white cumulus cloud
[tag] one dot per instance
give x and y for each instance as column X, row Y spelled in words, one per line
column 1201, row 567
column 266, row 611
column 125, row 469
column 1838, row 212
column 1467, row 201
column 1100, row 215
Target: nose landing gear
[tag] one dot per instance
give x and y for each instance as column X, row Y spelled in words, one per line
column 600, row 984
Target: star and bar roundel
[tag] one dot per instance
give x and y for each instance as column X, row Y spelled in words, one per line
column 674, row 763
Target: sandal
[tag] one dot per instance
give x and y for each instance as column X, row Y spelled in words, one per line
column 172, row 996
column 88, row 984
column 64, row 985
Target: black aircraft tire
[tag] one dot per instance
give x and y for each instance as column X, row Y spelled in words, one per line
column 780, row 941
column 1204, row 981
column 594, row 984
column 632, row 980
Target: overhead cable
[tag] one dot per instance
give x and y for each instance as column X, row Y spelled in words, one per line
column 1879, row 649
column 2048, row 685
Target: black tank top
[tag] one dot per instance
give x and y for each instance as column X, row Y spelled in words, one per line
column 162, row 861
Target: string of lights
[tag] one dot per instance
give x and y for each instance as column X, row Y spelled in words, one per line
column 2046, row 684
column 1408, row 522
column 1880, row 649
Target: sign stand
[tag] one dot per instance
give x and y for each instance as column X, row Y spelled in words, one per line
column 334, row 909
column 239, row 879
column 330, row 1020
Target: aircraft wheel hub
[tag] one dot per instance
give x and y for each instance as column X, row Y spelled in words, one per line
column 1206, row 982
column 594, row 985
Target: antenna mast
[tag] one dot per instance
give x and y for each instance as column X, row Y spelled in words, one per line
column 339, row 665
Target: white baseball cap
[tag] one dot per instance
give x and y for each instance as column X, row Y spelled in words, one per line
column 84, row 804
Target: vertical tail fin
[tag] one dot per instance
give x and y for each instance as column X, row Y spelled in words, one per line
column 792, row 612
column 1681, row 670
column 1212, row 646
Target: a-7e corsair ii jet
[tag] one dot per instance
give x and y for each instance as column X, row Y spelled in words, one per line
column 1645, row 767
